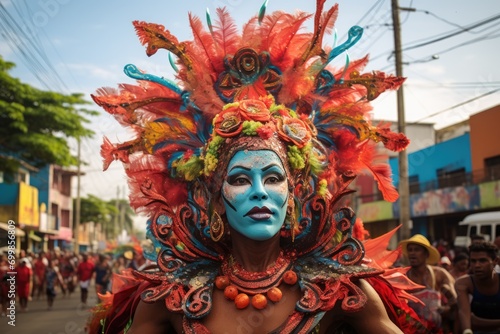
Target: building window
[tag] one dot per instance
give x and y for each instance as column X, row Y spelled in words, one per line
column 414, row 184
column 65, row 218
column 492, row 166
column 23, row 176
column 451, row 178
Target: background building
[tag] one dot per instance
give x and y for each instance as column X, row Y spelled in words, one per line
column 458, row 174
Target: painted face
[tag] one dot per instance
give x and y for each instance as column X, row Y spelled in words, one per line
column 255, row 194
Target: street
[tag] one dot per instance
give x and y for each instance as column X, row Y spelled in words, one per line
column 66, row 316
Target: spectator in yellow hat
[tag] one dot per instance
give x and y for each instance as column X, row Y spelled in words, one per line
column 438, row 294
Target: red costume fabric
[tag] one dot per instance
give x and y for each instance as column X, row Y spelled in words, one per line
column 85, row 270
column 23, row 281
column 39, row 269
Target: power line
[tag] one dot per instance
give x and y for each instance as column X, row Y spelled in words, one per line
column 459, row 85
column 439, row 18
column 452, row 34
column 29, row 47
column 456, row 106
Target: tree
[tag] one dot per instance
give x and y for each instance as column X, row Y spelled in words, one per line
column 94, row 209
column 36, row 124
column 125, row 215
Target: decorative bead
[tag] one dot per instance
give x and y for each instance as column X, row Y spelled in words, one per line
column 290, row 277
column 230, row 292
column 259, row 301
column 274, row 294
column 242, row 301
column 221, row 282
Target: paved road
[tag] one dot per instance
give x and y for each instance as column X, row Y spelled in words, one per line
column 66, row 316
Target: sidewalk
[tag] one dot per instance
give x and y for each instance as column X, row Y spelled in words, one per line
column 66, row 316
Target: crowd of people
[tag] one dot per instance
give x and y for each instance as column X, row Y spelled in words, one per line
column 44, row 275
column 458, row 295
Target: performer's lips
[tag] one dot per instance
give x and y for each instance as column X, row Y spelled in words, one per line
column 259, row 213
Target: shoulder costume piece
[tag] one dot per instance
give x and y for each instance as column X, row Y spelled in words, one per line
column 268, row 87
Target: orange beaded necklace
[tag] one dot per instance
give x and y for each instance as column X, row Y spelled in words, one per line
column 239, row 284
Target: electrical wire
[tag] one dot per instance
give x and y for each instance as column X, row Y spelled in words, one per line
column 455, row 106
column 28, row 48
column 452, row 34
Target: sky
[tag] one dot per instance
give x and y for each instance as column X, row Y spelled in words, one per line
column 450, row 51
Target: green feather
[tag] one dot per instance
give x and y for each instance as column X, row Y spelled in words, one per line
column 262, row 11
column 209, row 22
column 172, row 63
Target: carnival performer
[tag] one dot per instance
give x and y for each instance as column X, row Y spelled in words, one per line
column 242, row 167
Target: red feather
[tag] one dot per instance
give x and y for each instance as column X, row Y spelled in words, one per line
column 270, row 27
column 203, row 42
column 226, row 33
column 251, row 35
column 287, row 43
column 381, row 172
column 328, row 19
column 393, row 141
column 107, row 149
column 359, row 231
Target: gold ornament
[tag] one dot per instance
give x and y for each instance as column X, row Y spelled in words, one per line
column 216, row 226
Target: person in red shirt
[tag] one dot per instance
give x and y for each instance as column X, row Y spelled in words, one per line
column 84, row 273
column 23, row 284
column 4, row 286
column 39, row 269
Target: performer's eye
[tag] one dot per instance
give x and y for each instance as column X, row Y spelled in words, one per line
column 275, row 178
column 238, row 180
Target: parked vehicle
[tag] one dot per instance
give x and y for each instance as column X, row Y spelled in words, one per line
column 486, row 224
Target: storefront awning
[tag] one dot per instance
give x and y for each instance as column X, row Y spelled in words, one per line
column 34, row 237
column 65, row 233
column 6, row 227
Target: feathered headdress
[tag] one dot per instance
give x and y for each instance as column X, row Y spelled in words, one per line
column 270, row 82
column 268, row 87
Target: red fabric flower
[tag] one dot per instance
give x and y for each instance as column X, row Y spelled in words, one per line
column 228, row 123
column 294, row 130
column 254, row 110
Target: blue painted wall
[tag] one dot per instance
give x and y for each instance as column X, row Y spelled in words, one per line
column 40, row 180
column 449, row 155
column 9, row 193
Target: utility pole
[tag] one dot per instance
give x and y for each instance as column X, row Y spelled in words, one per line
column 76, row 223
column 122, row 211
column 117, row 217
column 404, row 187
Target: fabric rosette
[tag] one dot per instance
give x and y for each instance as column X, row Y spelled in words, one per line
column 254, row 110
column 228, row 123
column 294, row 130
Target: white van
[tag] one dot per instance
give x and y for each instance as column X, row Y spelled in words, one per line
column 486, row 224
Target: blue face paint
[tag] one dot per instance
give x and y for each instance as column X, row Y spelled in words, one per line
column 255, row 194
